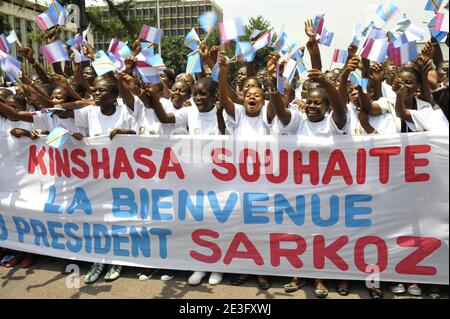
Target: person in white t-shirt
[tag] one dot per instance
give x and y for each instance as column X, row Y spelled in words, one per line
column 254, row 117
column 363, row 119
column 107, row 117
column 45, row 122
column 200, row 119
column 315, row 122
column 407, row 105
column 10, row 122
column 140, row 101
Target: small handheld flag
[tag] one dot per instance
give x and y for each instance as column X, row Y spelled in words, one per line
column 156, row 62
column 245, row 51
column 280, row 79
column 386, row 11
column 4, row 44
column 340, row 56
column 55, row 52
column 289, row 70
column 208, row 21
column 326, row 37
column 433, row 5
column 102, row 64
column 262, row 42
column 231, row 30
column 151, row 34
column 442, row 22
column 375, row 50
column 11, row 66
column 192, row 41
column 12, row 37
column 357, row 78
column 148, row 47
column 403, row 54
column 194, row 64
column 58, row 137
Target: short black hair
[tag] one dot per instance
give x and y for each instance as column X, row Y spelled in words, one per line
column 209, row 83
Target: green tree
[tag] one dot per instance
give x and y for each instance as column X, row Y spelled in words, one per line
column 262, row 24
column 119, row 21
column 174, row 53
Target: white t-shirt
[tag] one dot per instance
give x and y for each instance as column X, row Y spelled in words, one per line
column 383, row 124
column 242, row 125
column 300, row 125
column 7, row 125
column 428, row 120
column 92, row 119
column 387, row 91
column 148, row 123
column 198, row 123
column 47, row 123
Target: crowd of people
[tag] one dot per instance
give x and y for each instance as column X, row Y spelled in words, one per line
column 410, row 98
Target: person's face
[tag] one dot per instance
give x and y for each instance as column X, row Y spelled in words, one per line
column 252, row 83
column 391, row 73
column 316, row 107
column 410, row 81
column 241, row 75
column 442, row 72
column 102, row 94
column 202, row 98
column 89, row 75
column 180, row 93
column 353, row 95
column 253, row 101
column 331, row 77
column 59, row 96
column 263, row 77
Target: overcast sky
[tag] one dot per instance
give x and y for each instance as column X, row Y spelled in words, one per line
column 340, row 15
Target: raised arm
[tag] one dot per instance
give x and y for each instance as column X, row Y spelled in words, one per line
column 313, row 46
column 162, row 115
column 277, row 104
column 377, row 77
column 351, row 66
column 224, row 95
column 12, row 112
column 62, row 81
column 337, row 103
column 400, row 108
column 28, row 54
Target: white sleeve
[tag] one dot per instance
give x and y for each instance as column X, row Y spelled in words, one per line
column 386, row 105
column 182, row 117
column 138, row 109
column 42, row 122
column 129, row 122
column 343, row 131
column 293, row 126
column 82, row 117
column 428, row 120
column 232, row 122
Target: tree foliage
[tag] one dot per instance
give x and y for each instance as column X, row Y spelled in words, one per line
column 174, row 53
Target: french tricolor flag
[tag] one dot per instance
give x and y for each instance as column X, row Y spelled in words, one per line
column 376, row 50
column 263, row 41
column 442, row 23
column 340, row 56
column 402, row 54
column 4, row 44
column 231, row 30
column 55, row 52
column 44, row 21
column 151, row 34
column 149, row 74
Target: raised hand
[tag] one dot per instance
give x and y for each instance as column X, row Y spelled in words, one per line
column 27, row 53
column 310, row 29
column 223, row 61
column 399, row 87
column 377, row 73
column 272, row 62
column 353, row 64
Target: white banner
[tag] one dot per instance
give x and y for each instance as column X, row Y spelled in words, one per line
column 338, row 208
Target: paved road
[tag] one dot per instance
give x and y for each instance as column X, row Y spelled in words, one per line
column 45, row 280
